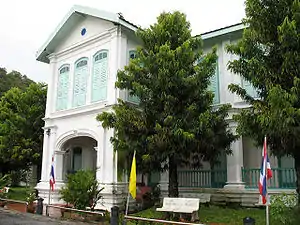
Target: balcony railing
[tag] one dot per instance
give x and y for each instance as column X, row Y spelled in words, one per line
column 202, row 178
column 284, row 178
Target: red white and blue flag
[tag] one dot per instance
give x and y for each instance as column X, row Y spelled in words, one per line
column 52, row 178
column 265, row 173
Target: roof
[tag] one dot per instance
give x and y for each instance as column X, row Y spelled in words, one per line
column 222, row 31
column 63, row 28
column 73, row 17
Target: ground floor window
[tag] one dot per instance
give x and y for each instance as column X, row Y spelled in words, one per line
column 77, row 159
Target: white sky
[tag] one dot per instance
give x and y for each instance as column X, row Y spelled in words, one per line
column 26, row 24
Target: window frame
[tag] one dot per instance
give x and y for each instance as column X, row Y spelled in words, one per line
column 74, row 73
column 65, row 65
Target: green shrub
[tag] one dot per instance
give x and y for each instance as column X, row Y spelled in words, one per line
column 19, row 176
column 283, row 209
column 82, row 190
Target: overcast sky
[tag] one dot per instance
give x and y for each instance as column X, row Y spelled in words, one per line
column 25, row 25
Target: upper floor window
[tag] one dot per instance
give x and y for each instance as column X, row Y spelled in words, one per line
column 80, row 82
column 132, row 54
column 132, row 98
column 214, row 85
column 249, row 88
column 99, row 76
column 62, row 88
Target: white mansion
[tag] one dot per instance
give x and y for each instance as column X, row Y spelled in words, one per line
column 84, row 54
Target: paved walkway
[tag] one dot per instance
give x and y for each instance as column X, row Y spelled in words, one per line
column 8, row 217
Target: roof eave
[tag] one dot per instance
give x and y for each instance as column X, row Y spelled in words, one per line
column 222, row 31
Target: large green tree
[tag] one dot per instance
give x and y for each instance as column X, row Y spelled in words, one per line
column 21, row 134
column 269, row 58
column 174, row 121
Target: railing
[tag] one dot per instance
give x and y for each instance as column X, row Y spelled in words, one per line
column 284, row 178
column 202, row 178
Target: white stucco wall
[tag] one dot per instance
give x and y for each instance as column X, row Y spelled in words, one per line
column 93, row 26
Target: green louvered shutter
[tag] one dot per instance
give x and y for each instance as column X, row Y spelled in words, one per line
column 214, row 86
column 249, row 88
column 80, row 83
column 99, row 78
column 62, row 88
column 132, row 98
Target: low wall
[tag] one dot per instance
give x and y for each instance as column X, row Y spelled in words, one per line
column 221, row 196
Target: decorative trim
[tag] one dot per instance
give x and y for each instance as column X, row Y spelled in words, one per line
column 84, row 43
column 81, row 110
column 75, row 133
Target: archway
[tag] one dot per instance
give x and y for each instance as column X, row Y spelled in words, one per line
column 79, row 154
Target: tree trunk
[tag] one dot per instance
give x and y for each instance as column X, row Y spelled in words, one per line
column 173, row 178
column 297, row 167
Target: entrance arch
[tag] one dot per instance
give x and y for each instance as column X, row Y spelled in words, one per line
column 79, row 153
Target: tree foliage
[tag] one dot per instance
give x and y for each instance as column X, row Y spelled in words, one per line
column 269, row 58
column 174, row 121
column 21, row 134
column 12, row 79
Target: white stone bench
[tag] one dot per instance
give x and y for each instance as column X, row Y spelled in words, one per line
column 182, row 206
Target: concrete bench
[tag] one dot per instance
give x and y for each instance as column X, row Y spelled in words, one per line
column 182, row 206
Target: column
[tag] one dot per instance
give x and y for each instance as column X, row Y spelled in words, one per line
column 114, row 60
column 164, row 181
column 235, row 164
column 59, row 165
column 98, row 164
column 51, row 92
column 45, row 156
column 108, row 157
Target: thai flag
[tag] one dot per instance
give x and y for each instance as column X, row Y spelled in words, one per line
column 265, row 173
column 52, row 179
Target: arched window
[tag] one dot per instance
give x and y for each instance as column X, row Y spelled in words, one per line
column 132, row 98
column 214, row 86
column 80, row 82
column 62, row 88
column 99, row 76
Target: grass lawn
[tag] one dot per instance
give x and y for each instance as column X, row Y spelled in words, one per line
column 19, row 193
column 215, row 215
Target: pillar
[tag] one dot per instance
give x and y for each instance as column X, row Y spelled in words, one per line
column 45, row 156
column 235, row 164
column 59, row 165
column 164, row 181
column 99, row 176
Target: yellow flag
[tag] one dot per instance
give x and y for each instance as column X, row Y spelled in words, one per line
column 132, row 181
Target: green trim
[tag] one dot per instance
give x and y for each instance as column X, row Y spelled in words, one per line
column 79, row 97
column 132, row 98
column 99, row 76
column 202, row 178
column 62, row 91
column 287, row 175
column 249, row 88
column 214, row 85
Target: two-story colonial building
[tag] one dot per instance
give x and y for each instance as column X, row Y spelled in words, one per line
column 84, row 54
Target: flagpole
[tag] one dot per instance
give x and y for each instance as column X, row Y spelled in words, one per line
column 127, row 204
column 266, row 172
